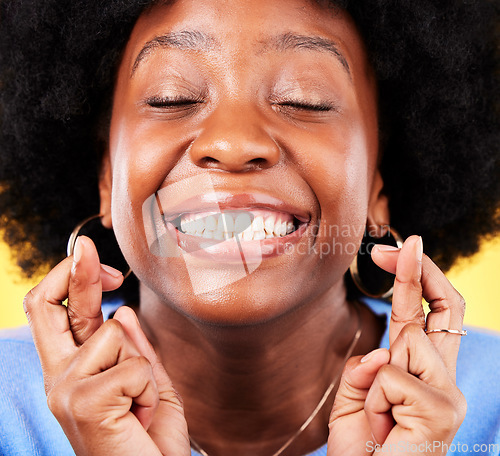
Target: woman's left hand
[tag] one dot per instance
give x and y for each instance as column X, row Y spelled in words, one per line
column 405, row 399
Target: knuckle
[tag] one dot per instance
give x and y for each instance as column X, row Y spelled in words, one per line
column 52, row 399
column 59, row 399
column 176, row 399
column 70, row 401
column 414, row 284
column 81, row 411
column 461, row 305
column 386, row 369
column 347, row 376
column 142, row 365
column 169, row 395
column 78, row 325
column 78, row 280
column 114, row 330
column 417, row 316
column 48, row 383
column 412, row 331
column 385, row 373
column 78, row 283
column 449, row 301
column 460, row 408
column 29, row 301
column 452, row 409
column 82, row 326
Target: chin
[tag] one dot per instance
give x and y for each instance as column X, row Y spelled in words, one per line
column 255, row 299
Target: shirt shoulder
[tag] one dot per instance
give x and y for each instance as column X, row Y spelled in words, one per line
column 27, row 427
column 478, row 371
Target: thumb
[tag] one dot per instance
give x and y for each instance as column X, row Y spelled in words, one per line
column 88, row 278
column 357, row 378
column 168, row 428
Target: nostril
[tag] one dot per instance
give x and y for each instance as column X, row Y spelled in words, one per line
column 258, row 162
column 253, row 164
column 208, row 162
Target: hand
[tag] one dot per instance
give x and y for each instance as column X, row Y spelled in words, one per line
column 406, row 398
column 104, row 383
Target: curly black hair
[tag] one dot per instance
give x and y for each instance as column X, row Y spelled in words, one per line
column 437, row 67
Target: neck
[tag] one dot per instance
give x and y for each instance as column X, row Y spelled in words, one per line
column 246, row 390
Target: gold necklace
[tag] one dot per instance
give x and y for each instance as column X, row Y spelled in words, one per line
column 322, row 401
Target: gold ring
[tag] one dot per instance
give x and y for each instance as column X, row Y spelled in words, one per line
column 460, row 332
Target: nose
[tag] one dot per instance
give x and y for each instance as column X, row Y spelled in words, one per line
column 234, row 139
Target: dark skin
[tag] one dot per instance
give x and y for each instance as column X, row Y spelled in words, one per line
column 252, row 358
column 280, row 332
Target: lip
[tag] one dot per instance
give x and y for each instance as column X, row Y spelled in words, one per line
column 233, row 250
column 226, row 201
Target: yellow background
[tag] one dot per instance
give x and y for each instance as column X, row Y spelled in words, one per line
column 478, row 279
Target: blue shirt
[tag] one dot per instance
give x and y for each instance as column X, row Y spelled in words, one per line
column 28, row 428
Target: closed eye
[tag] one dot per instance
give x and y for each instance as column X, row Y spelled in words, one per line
column 172, row 102
column 307, row 106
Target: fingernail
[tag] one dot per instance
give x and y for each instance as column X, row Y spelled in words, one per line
column 368, row 356
column 77, row 251
column 419, row 249
column 111, row 271
column 386, row 248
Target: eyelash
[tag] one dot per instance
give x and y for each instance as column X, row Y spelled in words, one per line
column 185, row 102
column 172, row 102
column 321, row 107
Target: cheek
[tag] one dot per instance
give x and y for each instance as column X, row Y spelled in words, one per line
column 141, row 158
column 337, row 162
column 142, row 154
column 346, row 216
column 339, row 177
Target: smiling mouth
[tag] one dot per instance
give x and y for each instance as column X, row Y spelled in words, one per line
column 246, row 225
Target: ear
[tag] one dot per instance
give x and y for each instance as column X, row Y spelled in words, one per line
column 105, row 186
column 378, row 209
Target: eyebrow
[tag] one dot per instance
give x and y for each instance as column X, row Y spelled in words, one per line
column 184, row 40
column 313, row 43
column 197, row 40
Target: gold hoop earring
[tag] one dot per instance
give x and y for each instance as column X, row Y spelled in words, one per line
column 354, row 269
column 76, row 232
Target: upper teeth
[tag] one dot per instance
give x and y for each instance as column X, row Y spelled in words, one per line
column 265, row 224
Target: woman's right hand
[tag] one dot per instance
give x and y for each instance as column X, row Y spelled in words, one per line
column 104, row 382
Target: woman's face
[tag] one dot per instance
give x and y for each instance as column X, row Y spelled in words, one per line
column 260, row 110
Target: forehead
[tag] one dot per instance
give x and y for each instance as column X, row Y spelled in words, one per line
column 254, row 12
column 248, row 26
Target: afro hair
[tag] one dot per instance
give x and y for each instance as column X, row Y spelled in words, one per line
column 437, row 67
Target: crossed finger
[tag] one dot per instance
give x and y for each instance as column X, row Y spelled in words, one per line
column 57, row 329
column 418, row 276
